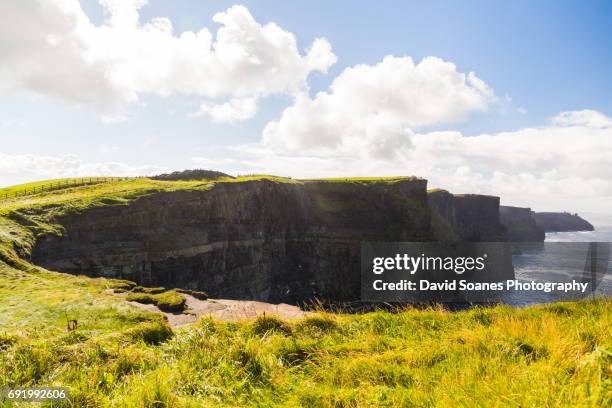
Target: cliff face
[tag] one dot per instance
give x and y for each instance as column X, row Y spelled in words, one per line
column 520, row 224
column 561, row 222
column 466, row 217
column 443, row 218
column 250, row 240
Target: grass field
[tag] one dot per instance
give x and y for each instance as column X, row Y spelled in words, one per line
column 557, row 355
column 32, row 185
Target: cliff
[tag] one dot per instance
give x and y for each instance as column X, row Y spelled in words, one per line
column 561, row 222
column 465, row 217
column 520, row 224
column 264, row 240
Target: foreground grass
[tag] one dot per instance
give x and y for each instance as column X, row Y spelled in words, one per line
column 40, row 304
column 556, row 355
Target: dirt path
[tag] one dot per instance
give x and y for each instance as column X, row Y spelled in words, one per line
column 224, row 309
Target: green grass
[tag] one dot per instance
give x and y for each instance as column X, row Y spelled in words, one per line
column 114, row 193
column 110, row 193
column 42, row 183
column 556, row 355
column 167, row 301
column 436, row 190
column 148, row 290
column 41, row 303
column 387, row 179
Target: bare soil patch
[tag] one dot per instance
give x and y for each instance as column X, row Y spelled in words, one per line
column 224, row 309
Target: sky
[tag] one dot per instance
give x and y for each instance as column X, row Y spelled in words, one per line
column 505, row 98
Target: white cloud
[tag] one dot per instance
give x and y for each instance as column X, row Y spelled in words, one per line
column 320, row 56
column 552, row 167
column 106, row 149
column 374, row 119
column 588, row 118
column 235, row 110
column 374, row 107
column 50, row 47
column 23, row 168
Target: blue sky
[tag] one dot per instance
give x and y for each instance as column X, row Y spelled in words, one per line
column 539, row 59
column 549, row 56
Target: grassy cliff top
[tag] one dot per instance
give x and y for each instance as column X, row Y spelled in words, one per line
column 436, row 190
column 119, row 190
column 115, row 190
column 19, row 187
column 385, row 179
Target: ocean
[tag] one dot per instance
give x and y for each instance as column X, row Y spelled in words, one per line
column 601, row 234
column 565, row 257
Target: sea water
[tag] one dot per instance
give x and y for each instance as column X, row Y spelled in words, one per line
column 564, row 257
column 601, row 234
